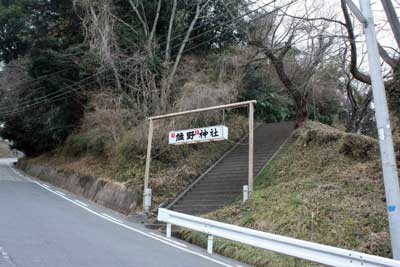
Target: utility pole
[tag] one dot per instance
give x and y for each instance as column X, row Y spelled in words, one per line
column 388, row 159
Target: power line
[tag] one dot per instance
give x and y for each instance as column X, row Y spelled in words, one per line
column 46, row 99
column 220, row 25
column 49, row 74
column 39, row 78
column 161, row 44
column 235, row 19
column 52, row 96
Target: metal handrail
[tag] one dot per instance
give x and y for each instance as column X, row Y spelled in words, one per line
column 314, row 252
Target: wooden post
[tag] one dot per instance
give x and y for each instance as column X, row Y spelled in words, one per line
column 187, row 112
column 148, row 160
column 250, row 104
column 251, row 148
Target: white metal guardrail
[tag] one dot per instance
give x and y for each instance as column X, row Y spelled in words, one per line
column 327, row 255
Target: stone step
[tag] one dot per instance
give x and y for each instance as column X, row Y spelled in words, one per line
column 224, row 183
column 211, row 191
column 220, row 198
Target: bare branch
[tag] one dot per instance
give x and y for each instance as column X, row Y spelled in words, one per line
column 153, row 30
column 170, row 28
column 141, row 19
column 353, row 61
column 385, row 56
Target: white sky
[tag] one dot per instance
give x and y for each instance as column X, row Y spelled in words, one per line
column 332, row 7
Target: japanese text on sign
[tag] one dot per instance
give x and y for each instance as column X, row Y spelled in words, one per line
column 206, row 134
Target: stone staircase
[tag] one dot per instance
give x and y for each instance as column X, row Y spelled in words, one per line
column 223, row 182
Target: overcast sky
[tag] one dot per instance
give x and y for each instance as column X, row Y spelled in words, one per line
column 333, row 6
column 384, row 34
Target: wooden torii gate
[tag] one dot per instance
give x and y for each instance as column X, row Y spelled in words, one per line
column 249, row 104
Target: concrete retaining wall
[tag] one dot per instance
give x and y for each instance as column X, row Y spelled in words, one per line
column 109, row 194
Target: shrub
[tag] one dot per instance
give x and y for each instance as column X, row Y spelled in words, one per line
column 81, row 144
column 359, row 147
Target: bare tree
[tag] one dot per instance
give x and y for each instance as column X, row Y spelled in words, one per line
column 170, row 29
column 359, row 104
column 296, row 48
column 98, row 23
column 391, row 85
column 393, row 19
column 171, row 72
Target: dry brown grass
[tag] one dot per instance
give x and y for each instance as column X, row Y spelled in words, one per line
column 325, row 186
column 172, row 168
column 111, row 142
column 82, row 166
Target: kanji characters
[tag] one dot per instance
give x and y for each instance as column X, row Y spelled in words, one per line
column 190, row 135
column 203, row 133
column 214, row 132
column 206, row 134
column 180, row 137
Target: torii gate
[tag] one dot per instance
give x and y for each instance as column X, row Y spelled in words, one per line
column 249, row 104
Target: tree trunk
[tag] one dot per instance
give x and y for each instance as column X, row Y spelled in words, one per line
column 393, row 96
column 167, row 82
column 170, row 28
column 301, row 110
column 353, row 125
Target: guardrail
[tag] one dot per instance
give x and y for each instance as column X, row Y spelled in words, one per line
column 327, row 255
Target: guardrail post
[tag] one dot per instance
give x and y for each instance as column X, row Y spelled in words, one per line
column 169, row 230
column 245, row 193
column 210, row 244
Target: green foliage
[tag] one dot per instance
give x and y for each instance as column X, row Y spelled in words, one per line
column 51, row 119
column 14, row 32
column 216, row 31
column 90, row 143
column 271, row 105
column 325, row 108
column 212, row 30
column 22, row 29
column 46, row 33
column 325, row 102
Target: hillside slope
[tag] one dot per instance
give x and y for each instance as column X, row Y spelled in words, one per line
column 324, row 186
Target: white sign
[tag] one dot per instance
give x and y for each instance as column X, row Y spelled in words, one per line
column 206, row 134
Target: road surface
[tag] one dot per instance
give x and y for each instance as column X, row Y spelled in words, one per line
column 41, row 225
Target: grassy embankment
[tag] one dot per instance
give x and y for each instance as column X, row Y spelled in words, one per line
column 325, row 186
column 172, row 169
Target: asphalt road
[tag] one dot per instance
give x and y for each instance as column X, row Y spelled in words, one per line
column 41, row 225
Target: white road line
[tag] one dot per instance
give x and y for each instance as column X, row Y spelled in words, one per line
column 169, row 240
column 17, row 173
column 129, row 227
column 58, row 192
column 45, row 185
column 112, row 218
column 80, row 202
